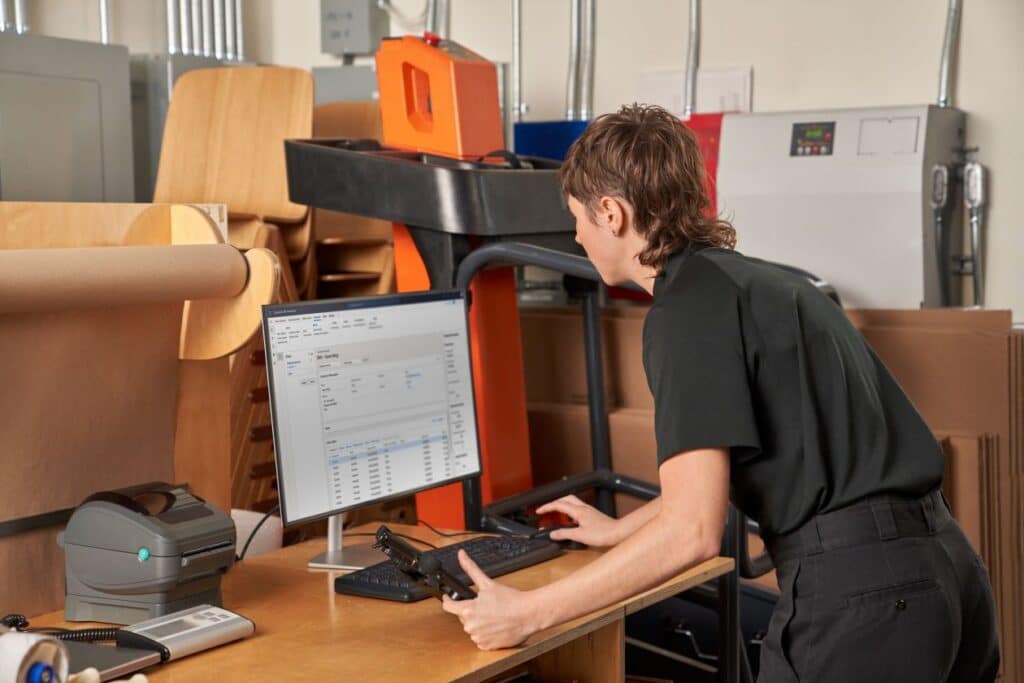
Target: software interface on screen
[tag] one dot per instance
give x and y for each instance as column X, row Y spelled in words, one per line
column 370, row 399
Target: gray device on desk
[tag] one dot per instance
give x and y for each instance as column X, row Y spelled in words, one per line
column 143, row 552
column 163, row 639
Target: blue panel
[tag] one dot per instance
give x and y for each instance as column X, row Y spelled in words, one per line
column 549, row 139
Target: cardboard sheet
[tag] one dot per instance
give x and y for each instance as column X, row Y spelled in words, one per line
column 88, row 403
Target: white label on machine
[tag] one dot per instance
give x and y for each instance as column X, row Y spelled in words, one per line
column 896, row 135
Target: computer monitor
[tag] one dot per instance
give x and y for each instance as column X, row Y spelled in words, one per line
column 370, row 399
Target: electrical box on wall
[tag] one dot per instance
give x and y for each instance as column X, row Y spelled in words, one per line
column 352, row 27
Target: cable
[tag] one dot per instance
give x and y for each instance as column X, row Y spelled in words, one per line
column 18, row 622
column 448, row 535
column 252, row 534
column 408, row 538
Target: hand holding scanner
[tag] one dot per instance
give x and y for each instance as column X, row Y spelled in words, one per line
column 426, row 570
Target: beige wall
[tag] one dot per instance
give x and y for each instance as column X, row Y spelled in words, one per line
column 805, row 54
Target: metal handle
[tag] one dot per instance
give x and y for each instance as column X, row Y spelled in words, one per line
column 974, row 198
column 939, row 200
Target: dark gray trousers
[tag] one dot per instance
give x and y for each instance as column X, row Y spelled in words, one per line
column 885, row 590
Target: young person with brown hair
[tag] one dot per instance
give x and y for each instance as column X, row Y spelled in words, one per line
column 764, row 391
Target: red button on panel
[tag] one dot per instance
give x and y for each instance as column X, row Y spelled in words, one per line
column 431, row 39
column 814, row 149
column 828, row 136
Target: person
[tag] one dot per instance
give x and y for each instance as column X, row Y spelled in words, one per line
column 764, row 391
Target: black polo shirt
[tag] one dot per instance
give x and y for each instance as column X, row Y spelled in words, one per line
column 743, row 355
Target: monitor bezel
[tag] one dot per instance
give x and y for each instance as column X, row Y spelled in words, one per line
column 270, row 311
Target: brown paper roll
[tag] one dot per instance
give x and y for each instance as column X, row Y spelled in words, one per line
column 60, row 279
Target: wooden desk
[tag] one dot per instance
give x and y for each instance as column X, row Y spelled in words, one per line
column 304, row 630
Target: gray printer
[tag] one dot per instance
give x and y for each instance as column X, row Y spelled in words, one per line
column 143, row 552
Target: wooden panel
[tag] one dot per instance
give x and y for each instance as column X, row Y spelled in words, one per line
column 224, row 139
column 596, row 657
column 202, row 445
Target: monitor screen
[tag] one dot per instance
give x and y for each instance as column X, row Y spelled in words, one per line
column 370, row 399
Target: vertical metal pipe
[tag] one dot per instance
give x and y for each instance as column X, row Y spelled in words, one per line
column 517, row 61
column 587, row 50
column 431, row 17
column 207, row 28
column 5, row 21
column 185, row 20
column 197, row 27
column 20, row 17
column 105, row 22
column 229, row 30
column 172, row 28
column 239, row 31
column 692, row 60
column 572, row 89
column 444, row 18
column 218, row 29
column 948, row 48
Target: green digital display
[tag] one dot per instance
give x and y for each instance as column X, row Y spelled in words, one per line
column 814, row 133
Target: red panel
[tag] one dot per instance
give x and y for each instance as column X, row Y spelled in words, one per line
column 708, row 129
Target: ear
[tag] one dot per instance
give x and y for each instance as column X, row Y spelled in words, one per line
column 613, row 214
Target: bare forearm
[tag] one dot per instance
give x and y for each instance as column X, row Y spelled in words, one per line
column 656, row 551
column 631, row 523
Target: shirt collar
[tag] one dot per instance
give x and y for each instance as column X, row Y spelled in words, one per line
column 673, row 264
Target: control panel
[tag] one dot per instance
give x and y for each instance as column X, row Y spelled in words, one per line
column 812, row 139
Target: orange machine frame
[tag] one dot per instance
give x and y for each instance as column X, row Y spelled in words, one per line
column 438, row 97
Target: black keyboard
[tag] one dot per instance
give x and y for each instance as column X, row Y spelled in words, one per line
column 496, row 555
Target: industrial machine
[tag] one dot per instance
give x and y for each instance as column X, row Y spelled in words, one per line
column 143, row 552
column 847, row 194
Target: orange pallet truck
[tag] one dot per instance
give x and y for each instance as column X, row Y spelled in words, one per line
column 443, row 177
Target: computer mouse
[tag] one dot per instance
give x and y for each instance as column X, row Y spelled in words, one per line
column 545, row 535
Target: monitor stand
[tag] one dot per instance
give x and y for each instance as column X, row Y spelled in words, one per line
column 347, row 558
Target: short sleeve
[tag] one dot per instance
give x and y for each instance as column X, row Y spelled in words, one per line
column 696, row 368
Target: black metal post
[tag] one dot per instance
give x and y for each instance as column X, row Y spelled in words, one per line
column 729, row 638
column 600, row 434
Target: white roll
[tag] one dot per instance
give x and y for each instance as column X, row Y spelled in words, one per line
column 22, row 651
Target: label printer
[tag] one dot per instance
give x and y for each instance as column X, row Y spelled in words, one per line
column 143, row 552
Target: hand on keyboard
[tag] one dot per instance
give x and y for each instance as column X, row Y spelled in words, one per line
column 594, row 528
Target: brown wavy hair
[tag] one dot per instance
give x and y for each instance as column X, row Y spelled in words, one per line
column 646, row 156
